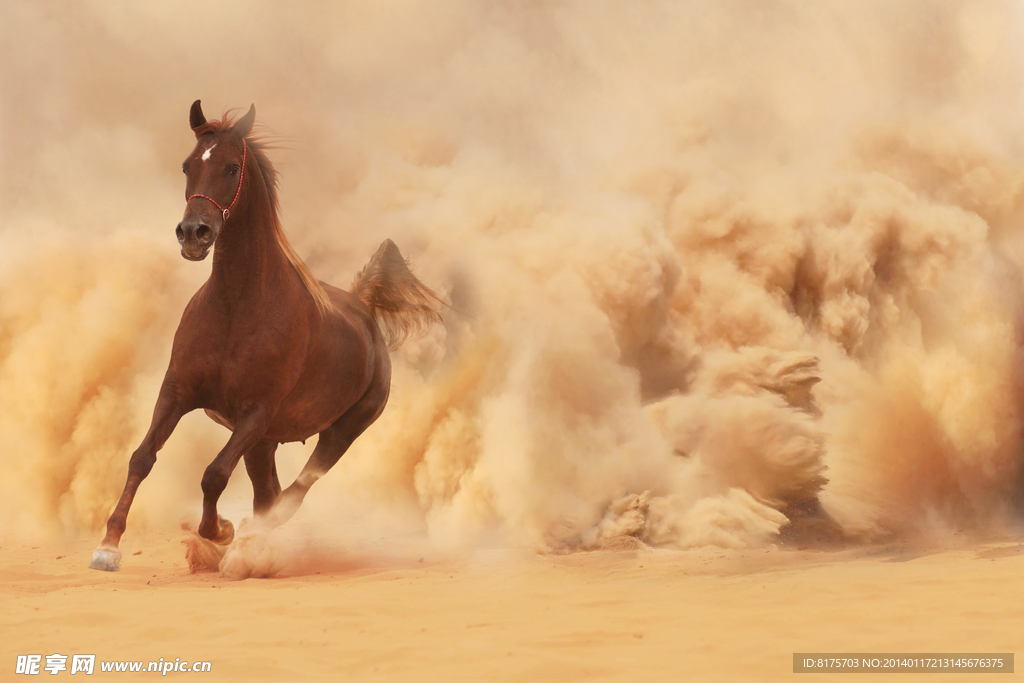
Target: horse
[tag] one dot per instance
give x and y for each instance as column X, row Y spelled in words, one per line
column 263, row 347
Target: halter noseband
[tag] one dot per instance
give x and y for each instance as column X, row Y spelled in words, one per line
column 241, row 176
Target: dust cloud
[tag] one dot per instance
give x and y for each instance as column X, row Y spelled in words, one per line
column 726, row 268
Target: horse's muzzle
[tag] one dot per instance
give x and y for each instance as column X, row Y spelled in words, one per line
column 195, row 238
column 194, row 254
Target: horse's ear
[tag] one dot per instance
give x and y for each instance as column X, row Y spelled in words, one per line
column 195, row 116
column 244, row 124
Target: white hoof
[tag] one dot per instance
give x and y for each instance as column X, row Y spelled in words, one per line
column 106, row 560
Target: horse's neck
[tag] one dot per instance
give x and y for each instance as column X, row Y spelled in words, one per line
column 249, row 265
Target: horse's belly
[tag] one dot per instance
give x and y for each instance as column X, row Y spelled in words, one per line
column 220, row 419
column 285, row 428
column 298, row 423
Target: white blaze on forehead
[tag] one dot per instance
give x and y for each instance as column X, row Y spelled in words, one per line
column 206, row 154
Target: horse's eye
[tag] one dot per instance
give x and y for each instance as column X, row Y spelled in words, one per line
column 232, row 170
column 184, row 168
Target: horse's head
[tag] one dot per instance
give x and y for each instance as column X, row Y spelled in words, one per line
column 214, row 172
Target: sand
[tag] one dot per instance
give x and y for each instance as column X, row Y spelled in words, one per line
column 379, row 614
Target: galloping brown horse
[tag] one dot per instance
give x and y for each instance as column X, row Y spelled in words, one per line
column 263, row 347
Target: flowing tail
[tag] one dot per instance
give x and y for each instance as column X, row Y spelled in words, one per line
column 403, row 307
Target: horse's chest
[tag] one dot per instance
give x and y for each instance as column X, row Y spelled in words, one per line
column 251, row 365
column 259, row 360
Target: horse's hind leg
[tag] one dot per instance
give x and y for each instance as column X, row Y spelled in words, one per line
column 333, row 443
column 262, row 469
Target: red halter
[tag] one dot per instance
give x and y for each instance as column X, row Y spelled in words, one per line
column 241, row 176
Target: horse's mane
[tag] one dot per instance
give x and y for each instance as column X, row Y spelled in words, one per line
column 258, row 144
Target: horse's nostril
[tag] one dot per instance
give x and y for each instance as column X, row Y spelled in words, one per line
column 179, row 232
column 203, row 233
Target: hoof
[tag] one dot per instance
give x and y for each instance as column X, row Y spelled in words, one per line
column 106, row 560
column 227, row 531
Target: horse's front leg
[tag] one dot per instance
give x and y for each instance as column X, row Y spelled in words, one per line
column 248, row 432
column 170, row 406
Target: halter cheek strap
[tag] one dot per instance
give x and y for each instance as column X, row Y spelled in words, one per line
column 241, row 176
